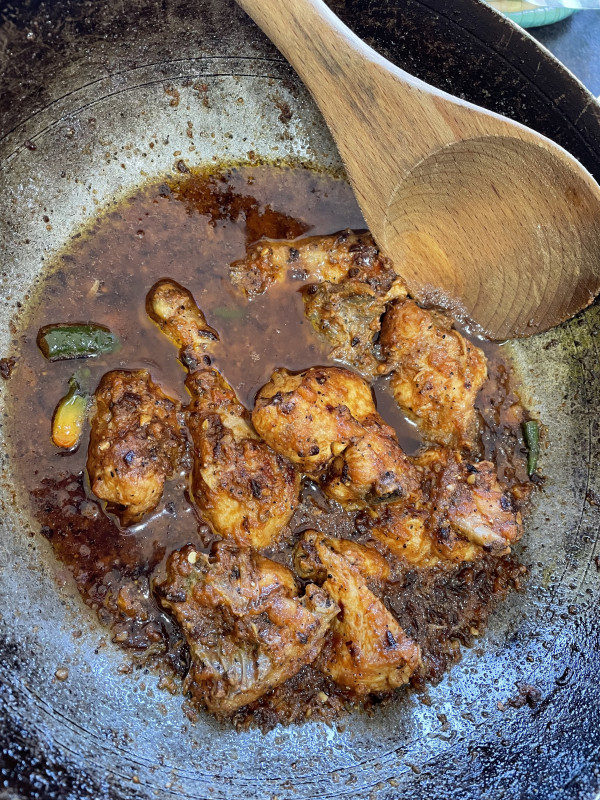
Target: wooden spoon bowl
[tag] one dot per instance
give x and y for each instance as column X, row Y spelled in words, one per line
column 499, row 230
column 479, row 213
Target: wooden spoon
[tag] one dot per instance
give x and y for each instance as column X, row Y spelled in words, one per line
column 478, row 213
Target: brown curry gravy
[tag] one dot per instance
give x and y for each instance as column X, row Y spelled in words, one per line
column 191, row 229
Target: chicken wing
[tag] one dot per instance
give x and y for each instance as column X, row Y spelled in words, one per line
column 326, row 416
column 469, row 498
column 408, row 533
column 245, row 490
column 463, row 511
column 370, row 651
column 321, row 259
column 247, row 629
column 136, row 443
column 371, row 564
column 350, row 286
column 436, row 372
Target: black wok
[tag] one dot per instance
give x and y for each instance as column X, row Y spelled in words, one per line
column 82, row 89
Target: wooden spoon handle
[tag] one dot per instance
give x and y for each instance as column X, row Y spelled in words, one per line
column 370, row 105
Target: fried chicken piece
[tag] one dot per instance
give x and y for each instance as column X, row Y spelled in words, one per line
column 247, row 491
column 247, row 629
column 371, row 469
column 349, row 318
column 174, row 310
column 312, row 416
column 136, row 443
column 371, row 564
column 370, row 651
column 327, row 415
column 436, row 372
column 408, row 533
column 463, row 512
column 319, row 259
column 350, row 286
column 469, row 498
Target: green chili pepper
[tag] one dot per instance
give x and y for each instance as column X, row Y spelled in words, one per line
column 69, row 416
column 79, row 340
column 531, row 434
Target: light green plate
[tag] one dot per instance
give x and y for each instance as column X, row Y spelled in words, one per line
column 534, row 17
column 540, row 16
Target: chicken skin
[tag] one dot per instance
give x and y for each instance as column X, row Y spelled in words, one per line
column 370, row 653
column 136, row 443
column 350, row 284
column 325, row 417
column 436, row 372
column 462, row 512
column 247, row 629
column 245, row 490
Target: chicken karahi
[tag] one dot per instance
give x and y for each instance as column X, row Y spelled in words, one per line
column 292, row 532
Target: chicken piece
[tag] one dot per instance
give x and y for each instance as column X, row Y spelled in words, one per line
column 136, row 443
column 247, row 629
column 371, row 469
column 312, row 416
column 370, row 651
column 371, row 564
column 463, row 512
column 325, row 415
column 436, row 372
column 174, row 310
column 319, row 259
column 470, row 500
column 348, row 316
column 350, row 286
column 247, row 491
column 408, row 533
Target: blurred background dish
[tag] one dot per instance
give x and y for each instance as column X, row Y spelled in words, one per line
column 529, row 15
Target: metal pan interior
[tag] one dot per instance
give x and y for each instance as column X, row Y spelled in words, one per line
column 102, row 733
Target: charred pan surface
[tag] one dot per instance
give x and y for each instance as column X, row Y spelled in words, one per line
column 136, row 443
column 247, row 629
